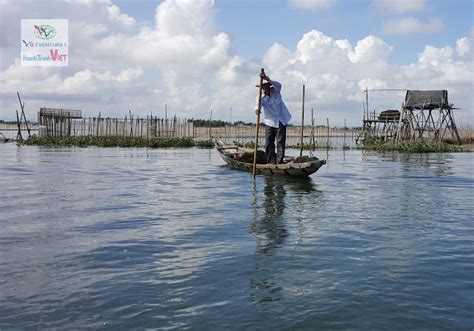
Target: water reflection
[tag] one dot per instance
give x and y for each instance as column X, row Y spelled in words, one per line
column 439, row 164
column 134, row 239
column 269, row 226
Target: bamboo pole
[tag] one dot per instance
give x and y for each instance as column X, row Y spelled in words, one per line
column 313, row 144
column 327, row 139
column 97, row 128
column 367, row 101
column 302, row 124
column 257, row 129
column 344, row 135
column 18, row 135
column 210, row 120
column 22, row 105
column 131, row 122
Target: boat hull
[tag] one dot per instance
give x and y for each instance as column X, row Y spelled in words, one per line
column 292, row 168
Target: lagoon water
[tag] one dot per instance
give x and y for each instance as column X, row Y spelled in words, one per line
column 171, row 238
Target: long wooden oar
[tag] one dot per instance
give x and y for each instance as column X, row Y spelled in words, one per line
column 257, row 129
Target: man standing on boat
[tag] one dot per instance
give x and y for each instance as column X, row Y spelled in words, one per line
column 275, row 117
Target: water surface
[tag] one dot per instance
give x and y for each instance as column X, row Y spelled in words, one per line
column 172, row 238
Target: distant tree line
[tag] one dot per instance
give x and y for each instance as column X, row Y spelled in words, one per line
column 220, row 123
column 215, row 123
column 7, row 122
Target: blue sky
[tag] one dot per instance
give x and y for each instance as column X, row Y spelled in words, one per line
column 202, row 55
column 254, row 25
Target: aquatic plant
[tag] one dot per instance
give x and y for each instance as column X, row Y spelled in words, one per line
column 84, row 141
column 413, row 147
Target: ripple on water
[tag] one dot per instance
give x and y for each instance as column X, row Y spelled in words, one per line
column 135, row 238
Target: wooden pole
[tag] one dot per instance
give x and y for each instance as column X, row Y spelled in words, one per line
column 210, row 120
column 22, row 105
column 257, row 129
column 327, row 139
column 313, row 144
column 131, row 122
column 98, row 123
column 367, row 101
column 18, row 135
column 302, row 124
column 344, row 139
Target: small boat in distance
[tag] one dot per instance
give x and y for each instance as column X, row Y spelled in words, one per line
column 242, row 159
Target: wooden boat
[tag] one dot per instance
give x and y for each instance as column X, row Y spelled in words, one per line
column 293, row 166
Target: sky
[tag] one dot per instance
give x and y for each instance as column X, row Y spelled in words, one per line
column 201, row 55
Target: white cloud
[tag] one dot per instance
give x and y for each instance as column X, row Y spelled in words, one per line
column 335, row 73
column 311, row 4
column 434, row 55
column 399, row 6
column 369, row 50
column 463, row 46
column 411, row 25
column 187, row 62
column 115, row 15
column 183, row 39
column 113, row 12
column 84, row 82
column 316, row 46
column 185, row 17
column 276, row 55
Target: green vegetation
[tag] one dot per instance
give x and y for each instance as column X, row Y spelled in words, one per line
column 204, row 143
column 413, row 147
column 84, row 141
column 250, row 144
column 207, row 123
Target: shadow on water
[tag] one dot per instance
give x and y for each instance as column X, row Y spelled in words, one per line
column 269, row 225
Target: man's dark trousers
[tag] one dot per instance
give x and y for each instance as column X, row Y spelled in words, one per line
column 270, row 134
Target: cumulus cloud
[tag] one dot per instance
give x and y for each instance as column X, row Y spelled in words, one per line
column 412, row 25
column 184, row 40
column 185, row 17
column 316, row 46
column 46, row 80
column 369, row 50
column 114, row 14
column 184, row 60
column 399, row 6
column 311, row 4
column 434, row 55
column 463, row 46
column 336, row 73
column 183, row 55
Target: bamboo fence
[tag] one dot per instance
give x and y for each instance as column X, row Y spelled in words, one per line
column 151, row 127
